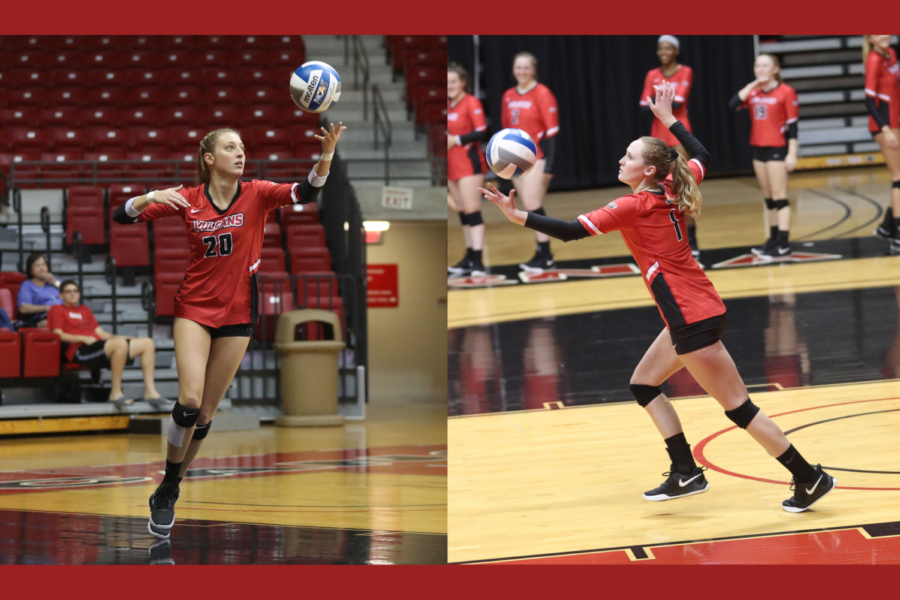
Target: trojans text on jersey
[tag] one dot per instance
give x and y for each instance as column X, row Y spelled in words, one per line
column 229, row 221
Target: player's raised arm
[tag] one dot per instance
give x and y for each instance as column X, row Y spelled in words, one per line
column 662, row 110
column 128, row 213
column 566, row 231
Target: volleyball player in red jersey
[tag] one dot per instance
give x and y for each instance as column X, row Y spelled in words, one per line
column 774, row 111
column 216, row 305
column 466, row 166
column 651, row 220
column 883, row 103
column 681, row 78
column 531, row 107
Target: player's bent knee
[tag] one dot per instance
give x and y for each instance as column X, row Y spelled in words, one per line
column 770, row 204
column 644, row 394
column 743, row 414
column 182, row 419
column 779, row 204
column 895, row 184
column 475, row 219
column 201, row 431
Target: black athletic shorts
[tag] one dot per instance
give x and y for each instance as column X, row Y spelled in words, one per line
column 94, row 355
column 689, row 338
column 769, row 153
column 239, row 330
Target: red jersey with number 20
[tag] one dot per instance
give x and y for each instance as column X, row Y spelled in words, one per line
column 219, row 286
column 534, row 112
column 654, row 230
column 770, row 114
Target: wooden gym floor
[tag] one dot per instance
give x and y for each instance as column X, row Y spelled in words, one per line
column 549, row 455
column 371, row 492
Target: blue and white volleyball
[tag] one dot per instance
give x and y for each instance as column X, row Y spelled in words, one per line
column 511, row 153
column 315, row 87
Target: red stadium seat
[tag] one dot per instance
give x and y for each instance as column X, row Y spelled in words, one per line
column 259, row 114
column 419, row 56
column 179, row 116
column 213, row 76
column 119, row 193
column 109, row 117
column 251, row 57
column 105, row 97
column 146, row 77
column 275, row 298
column 40, row 352
column 89, row 221
column 299, row 214
column 60, row 169
column 84, row 196
column 431, row 113
column 263, row 76
column 105, row 77
column 221, row 116
column 128, row 244
column 272, row 259
column 153, row 96
column 286, row 60
column 213, row 41
column 104, row 170
column 186, row 135
column 222, row 94
column 289, row 114
column 30, row 78
column 186, row 95
column 214, row 57
column 178, row 42
column 310, row 260
column 148, row 139
column 261, row 139
column 248, row 42
column 166, row 285
column 106, row 43
column 149, row 170
column 68, row 77
column 107, row 139
column 272, row 236
column 305, row 236
column 28, row 140
column 29, row 172
column 304, row 135
column 140, row 116
column 60, row 117
column 27, row 98
column 110, row 60
column 7, row 302
column 12, row 281
column 64, row 97
column 257, row 94
column 10, row 350
column 67, row 59
column 23, row 117
column 291, row 42
column 177, row 57
column 182, row 75
column 144, row 59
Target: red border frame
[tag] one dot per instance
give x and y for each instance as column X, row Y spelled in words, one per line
column 471, row 583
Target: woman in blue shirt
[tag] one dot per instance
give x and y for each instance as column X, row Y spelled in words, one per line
column 38, row 293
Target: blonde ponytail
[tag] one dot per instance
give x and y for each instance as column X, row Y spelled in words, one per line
column 684, row 187
column 866, row 48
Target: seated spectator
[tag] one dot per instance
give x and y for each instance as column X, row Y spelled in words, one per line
column 38, row 293
column 91, row 346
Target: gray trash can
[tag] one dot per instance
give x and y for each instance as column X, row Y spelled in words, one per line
column 309, row 370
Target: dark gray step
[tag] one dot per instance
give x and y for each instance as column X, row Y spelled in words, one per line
column 832, row 109
column 825, row 57
column 841, row 83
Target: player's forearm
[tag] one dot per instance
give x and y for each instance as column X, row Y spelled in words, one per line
column 744, row 93
column 566, row 231
column 694, row 148
column 793, row 147
column 876, row 114
column 472, row 136
column 128, row 212
column 323, row 167
column 30, row 309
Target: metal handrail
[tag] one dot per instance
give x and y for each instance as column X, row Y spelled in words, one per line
column 45, row 227
column 382, row 125
column 17, row 206
column 360, row 66
column 111, row 279
column 76, row 249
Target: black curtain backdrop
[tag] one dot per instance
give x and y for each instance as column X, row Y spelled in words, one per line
column 597, row 81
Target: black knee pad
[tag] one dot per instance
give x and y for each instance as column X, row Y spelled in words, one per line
column 184, row 416
column 770, row 204
column 474, row 219
column 201, row 431
column 896, row 184
column 463, row 220
column 779, row 204
column 540, row 211
column 644, row 394
column 743, row 414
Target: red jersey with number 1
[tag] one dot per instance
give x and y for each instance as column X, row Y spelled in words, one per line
column 770, row 114
column 219, row 287
column 654, row 230
column 682, row 80
column 535, row 112
column 881, row 85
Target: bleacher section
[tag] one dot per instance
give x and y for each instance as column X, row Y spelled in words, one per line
column 827, row 73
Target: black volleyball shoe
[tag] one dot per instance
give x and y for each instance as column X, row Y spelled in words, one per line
column 678, row 485
column 161, row 553
column 461, row 268
column 162, row 510
column 886, row 228
column 538, row 263
column 769, row 248
column 807, row 494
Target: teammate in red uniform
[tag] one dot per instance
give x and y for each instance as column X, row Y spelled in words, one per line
column 652, row 223
column 681, row 78
column 466, row 166
column 216, row 305
column 883, row 102
column 531, row 107
column 773, row 137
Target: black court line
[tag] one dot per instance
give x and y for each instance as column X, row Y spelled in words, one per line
column 847, row 212
column 875, row 530
column 878, row 208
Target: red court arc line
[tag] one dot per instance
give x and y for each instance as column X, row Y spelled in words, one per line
column 701, row 458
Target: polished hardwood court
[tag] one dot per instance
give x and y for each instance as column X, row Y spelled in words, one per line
column 370, row 492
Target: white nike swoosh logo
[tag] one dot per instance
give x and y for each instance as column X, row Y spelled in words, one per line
column 684, row 483
column 196, row 210
column 810, row 491
column 187, row 414
column 785, row 251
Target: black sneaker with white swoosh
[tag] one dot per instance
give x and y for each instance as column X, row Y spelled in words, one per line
column 679, row 485
column 807, row 494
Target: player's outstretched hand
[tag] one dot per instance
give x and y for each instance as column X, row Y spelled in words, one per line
column 506, row 203
column 330, row 138
column 662, row 107
column 169, row 197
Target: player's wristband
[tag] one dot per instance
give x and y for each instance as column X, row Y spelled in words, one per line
column 327, row 156
column 130, row 210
